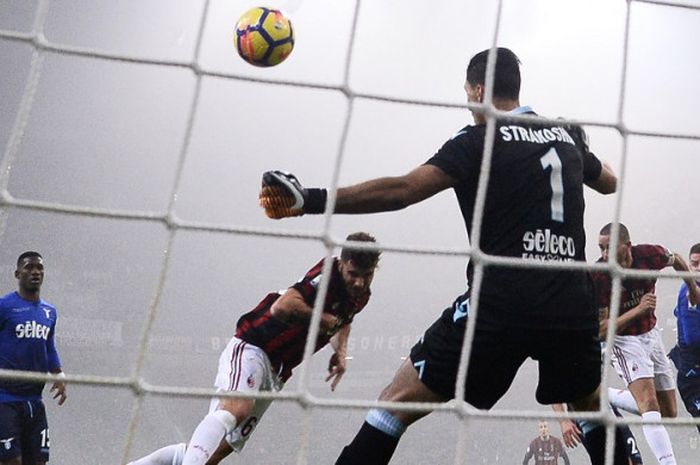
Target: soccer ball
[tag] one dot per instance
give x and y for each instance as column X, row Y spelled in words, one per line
column 264, row 37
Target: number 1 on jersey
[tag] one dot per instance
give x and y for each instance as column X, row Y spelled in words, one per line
column 551, row 160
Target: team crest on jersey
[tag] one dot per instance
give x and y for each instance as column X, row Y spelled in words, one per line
column 635, row 367
column 7, row 443
column 251, row 381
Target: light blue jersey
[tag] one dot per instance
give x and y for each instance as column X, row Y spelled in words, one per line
column 26, row 343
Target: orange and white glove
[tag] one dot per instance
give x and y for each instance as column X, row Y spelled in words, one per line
column 282, row 196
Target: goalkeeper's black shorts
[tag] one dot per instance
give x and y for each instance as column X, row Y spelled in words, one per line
column 568, row 360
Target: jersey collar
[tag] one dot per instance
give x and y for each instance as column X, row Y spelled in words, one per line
column 521, row 110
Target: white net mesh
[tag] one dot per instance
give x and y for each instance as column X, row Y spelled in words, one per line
column 134, row 142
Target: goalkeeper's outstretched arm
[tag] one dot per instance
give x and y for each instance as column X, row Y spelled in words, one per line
column 393, row 193
column 282, row 195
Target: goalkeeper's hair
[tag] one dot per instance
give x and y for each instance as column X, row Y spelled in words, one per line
column 506, row 82
column 694, row 249
column 364, row 259
column 623, row 236
column 28, row 254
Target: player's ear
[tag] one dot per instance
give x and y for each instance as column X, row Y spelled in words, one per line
column 480, row 93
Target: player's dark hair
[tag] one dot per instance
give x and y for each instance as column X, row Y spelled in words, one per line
column 623, row 233
column 506, row 82
column 694, row 249
column 28, row 254
column 364, row 259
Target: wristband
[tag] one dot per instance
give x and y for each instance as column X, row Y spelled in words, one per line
column 315, row 202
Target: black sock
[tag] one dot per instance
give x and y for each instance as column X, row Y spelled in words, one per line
column 370, row 447
column 594, row 442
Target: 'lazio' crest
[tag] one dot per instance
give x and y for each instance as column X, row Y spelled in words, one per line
column 461, row 310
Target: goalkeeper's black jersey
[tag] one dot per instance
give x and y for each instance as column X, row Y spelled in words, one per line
column 533, row 210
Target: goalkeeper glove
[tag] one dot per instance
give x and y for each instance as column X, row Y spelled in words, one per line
column 282, row 196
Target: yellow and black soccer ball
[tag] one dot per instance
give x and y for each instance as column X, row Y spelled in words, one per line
column 264, row 37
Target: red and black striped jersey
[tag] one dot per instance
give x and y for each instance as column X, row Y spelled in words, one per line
column 546, row 451
column 284, row 342
column 644, row 257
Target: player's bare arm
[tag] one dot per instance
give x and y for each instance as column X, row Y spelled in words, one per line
column 337, row 363
column 603, row 315
column 59, row 388
column 606, row 182
column 570, row 431
column 339, row 341
column 647, row 304
column 291, row 308
column 679, row 264
column 282, row 195
column 393, row 193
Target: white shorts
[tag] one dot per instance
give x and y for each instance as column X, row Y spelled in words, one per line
column 244, row 367
column 643, row 356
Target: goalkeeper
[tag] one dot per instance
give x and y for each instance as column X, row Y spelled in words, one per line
column 533, row 209
column 268, row 344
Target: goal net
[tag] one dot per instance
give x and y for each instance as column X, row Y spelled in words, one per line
column 133, row 143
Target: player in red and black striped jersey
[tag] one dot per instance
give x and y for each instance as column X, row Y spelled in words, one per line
column 638, row 353
column 533, row 210
column 641, row 257
column 268, row 344
column 280, row 326
column 545, row 448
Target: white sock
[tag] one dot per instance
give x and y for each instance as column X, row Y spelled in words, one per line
column 168, row 455
column 207, row 436
column 658, row 439
column 623, row 399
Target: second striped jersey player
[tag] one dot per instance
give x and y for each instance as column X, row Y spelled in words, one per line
column 639, row 356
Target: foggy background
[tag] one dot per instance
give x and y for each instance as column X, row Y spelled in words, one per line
column 108, row 134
